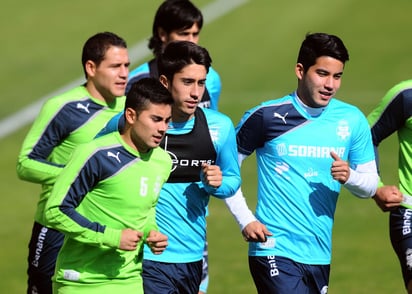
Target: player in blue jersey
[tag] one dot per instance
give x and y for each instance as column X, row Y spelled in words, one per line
column 178, row 20
column 393, row 114
column 308, row 144
column 106, row 217
column 65, row 121
column 202, row 145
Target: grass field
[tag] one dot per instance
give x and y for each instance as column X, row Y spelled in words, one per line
column 254, row 49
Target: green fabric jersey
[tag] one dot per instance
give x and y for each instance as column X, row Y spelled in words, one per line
column 394, row 114
column 63, row 122
column 105, row 188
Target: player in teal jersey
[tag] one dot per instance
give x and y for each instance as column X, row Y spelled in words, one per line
column 308, row 144
column 202, row 145
column 178, row 20
column 64, row 122
column 394, row 114
column 105, row 216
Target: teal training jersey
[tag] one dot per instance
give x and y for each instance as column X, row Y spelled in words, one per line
column 64, row 122
column 394, row 114
column 106, row 187
column 296, row 193
column 181, row 211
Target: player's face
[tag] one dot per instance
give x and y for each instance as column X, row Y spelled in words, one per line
column 148, row 127
column 320, row 83
column 191, row 34
column 108, row 79
column 187, row 88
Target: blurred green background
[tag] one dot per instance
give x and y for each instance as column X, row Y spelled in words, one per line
column 254, row 47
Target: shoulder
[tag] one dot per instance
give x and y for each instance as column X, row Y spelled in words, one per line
column 78, row 93
column 102, row 142
column 214, row 116
column 212, row 73
column 344, row 106
column 162, row 155
column 270, row 105
column 67, row 98
column 141, row 69
column 402, row 86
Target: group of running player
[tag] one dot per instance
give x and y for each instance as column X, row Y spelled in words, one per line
column 129, row 160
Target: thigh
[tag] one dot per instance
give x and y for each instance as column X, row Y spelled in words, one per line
column 279, row 275
column 44, row 246
column 317, row 278
column 401, row 238
column 170, row 278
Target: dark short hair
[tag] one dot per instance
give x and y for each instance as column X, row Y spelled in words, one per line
column 173, row 15
column 321, row 44
column 179, row 54
column 146, row 91
column 96, row 47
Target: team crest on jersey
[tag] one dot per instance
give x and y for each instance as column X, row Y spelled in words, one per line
column 343, row 130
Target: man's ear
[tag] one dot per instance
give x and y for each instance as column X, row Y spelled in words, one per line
column 130, row 115
column 90, row 68
column 164, row 81
column 299, row 70
column 162, row 35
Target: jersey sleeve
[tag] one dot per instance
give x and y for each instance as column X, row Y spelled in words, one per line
column 214, row 87
column 151, row 224
column 225, row 144
column 361, row 150
column 47, row 131
column 391, row 112
column 250, row 131
column 78, row 178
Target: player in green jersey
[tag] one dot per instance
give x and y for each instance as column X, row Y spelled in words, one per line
column 107, row 217
column 64, row 122
column 393, row 115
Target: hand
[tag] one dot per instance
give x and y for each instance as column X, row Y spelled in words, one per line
column 340, row 169
column 157, row 242
column 255, row 232
column 212, row 175
column 388, row 197
column 129, row 239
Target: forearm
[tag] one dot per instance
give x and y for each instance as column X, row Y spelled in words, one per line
column 239, row 209
column 35, row 171
column 87, row 232
column 363, row 181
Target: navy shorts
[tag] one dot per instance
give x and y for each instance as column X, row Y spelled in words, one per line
column 401, row 239
column 44, row 246
column 162, row 278
column 282, row 275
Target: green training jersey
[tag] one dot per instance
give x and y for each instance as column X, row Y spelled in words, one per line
column 106, row 188
column 64, row 122
column 394, row 114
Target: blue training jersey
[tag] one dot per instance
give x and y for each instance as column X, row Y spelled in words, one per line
column 297, row 195
column 213, row 83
